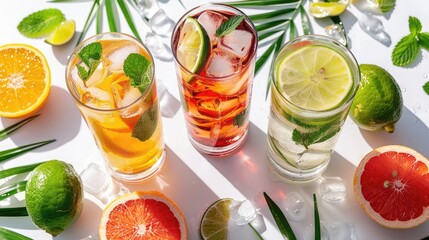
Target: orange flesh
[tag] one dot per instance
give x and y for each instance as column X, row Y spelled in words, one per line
column 142, row 219
column 396, row 185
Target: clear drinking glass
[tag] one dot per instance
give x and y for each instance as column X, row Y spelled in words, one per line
column 124, row 120
column 301, row 140
column 216, row 99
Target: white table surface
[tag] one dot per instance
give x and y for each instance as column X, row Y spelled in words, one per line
column 195, row 181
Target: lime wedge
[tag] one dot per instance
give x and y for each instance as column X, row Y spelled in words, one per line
column 193, row 46
column 314, row 78
column 214, row 224
column 62, row 34
column 326, row 9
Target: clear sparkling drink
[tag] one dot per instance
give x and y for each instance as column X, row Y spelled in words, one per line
column 314, row 79
column 215, row 75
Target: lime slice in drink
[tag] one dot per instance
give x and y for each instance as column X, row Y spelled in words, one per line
column 325, row 9
column 314, row 78
column 62, row 34
column 193, row 46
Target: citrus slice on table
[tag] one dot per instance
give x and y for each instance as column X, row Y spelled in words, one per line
column 193, row 46
column 62, row 34
column 25, row 80
column 391, row 184
column 327, row 9
column 314, row 78
column 143, row 215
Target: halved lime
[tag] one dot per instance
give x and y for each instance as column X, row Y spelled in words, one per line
column 314, row 78
column 325, row 9
column 193, row 46
column 214, row 224
column 62, row 34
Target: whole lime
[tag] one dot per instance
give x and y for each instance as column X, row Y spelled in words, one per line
column 378, row 101
column 54, row 196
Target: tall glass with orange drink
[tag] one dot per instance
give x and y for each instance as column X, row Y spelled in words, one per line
column 214, row 47
column 111, row 78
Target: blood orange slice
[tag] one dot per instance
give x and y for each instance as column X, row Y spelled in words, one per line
column 391, row 184
column 143, row 215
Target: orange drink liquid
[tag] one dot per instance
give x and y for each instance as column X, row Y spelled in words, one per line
column 216, row 98
column 125, row 120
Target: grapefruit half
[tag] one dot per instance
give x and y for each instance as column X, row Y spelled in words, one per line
column 391, row 184
column 143, row 215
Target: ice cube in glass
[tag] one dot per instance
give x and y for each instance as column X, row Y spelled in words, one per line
column 332, row 189
column 238, row 42
column 115, row 59
column 222, row 64
column 211, row 20
column 125, row 95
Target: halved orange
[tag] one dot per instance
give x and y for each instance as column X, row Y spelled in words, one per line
column 391, row 184
column 25, row 80
column 143, row 215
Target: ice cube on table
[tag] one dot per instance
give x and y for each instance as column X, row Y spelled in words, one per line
column 94, row 179
column 342, row 230
column 125, row 95
column 332, row 189
column 222, row 64
column 161, row 24
column 374, row 28
column 96, row 98
column 211, row 21
column 336, row 32
column 243, row 212
column 324, row 233
column 295, row 207
column 115, row 59
column 238, row 42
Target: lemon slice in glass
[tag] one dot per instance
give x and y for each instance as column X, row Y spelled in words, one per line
column 326, row 9
column 62, row 34
column 193, row 46
column 314, row 78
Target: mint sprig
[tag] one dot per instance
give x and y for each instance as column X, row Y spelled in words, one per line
column 315, row 136
column 229, row 25
column 90, row 56
column 42, row 23
column 240, row 118
column 138, row 68
column 408, row 47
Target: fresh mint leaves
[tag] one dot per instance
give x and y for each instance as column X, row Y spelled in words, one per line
column 408, row 47
column 426, row 88
column 386, row 5
column 41, row 23
column 240, row 118
column 315, row 136
column 147, row 124
column 229, row 25
column 138, row 69
column 90, row 56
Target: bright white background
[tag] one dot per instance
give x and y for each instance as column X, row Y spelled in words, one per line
column 195, row 181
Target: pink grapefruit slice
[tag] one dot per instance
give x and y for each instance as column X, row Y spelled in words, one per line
column 391, row 184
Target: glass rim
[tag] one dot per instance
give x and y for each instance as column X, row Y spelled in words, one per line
column 207, row 7
column 343, row 51
column 91, row 39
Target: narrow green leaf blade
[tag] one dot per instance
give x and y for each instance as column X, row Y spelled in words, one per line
column 14, row 127
column 405, row 51
column 292, row 30
column 305, row 21
column 88, row 21
column 99, row 21
column 268, row 34
column 264, row 57
column 279, row 44
column 280, row 219
column 9, row 234
column 272, row 14
column 426, row 88
column 111, row 16
column 13, row 212
column 424, row 40
column 18, row 170
column 12, row 189
column 230, row 25
column 14, row 152
column 270, row 24
column 129, row 19
column 317, row 235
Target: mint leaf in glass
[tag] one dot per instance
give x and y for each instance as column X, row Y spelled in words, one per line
column 415, row 25
column 240, row 118
column 424, row 40
column 426, row 88
column 90, row 56
column 138, row 68
column 317, row 135
column 405, row 50
column 147, row 124
column 42, row 23
column 229, row 26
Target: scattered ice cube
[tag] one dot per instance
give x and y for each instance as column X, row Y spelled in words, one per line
column 96, row 98
column 211, row 21
column 374, row 28
column 94, row 179
column 161, row 24
column 324, row 234
column 124, row 95
column 342, row 230
column 336, row 32
column 222, row 64
column 332, row 189
column 157, row 47
column 242, row 212
column 168, row 103
column 295, row 207
column 115, row 60
column 238, row 42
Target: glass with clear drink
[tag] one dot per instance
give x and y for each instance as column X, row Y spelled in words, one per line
column 215, row 71
column 313, row 82
column 111, row 78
